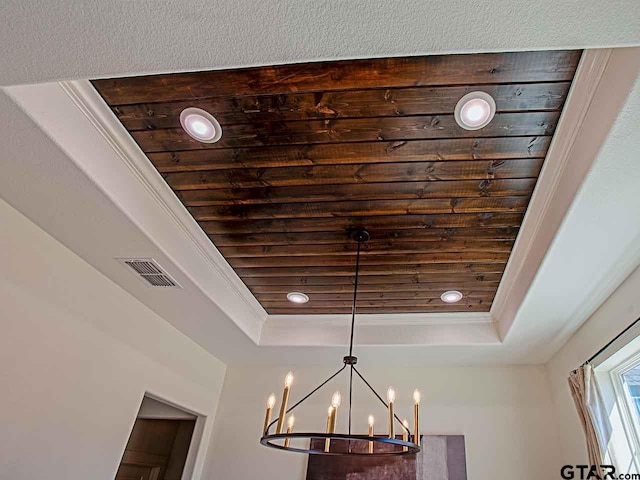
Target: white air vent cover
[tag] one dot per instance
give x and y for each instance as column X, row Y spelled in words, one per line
column 149, row 270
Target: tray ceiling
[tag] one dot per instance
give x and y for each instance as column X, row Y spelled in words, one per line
column 310, row 151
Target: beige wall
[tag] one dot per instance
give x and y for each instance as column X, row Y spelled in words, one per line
column 77, row 354
column 71, row 340
column 504, row 414
column 620, row 310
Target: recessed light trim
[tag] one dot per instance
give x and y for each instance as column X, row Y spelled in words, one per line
column 475, row 110
column 200, row 125
column 297, row 297
column 451, row 296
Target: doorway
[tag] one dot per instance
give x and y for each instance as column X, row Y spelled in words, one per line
column 159, row 443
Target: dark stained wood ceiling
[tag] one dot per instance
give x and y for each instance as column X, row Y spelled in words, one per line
column 310, row 151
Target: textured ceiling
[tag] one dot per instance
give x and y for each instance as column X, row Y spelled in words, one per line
column 108, row 39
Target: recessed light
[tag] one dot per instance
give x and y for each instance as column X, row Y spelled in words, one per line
column 200, row 125
column 451, row 296
column 297, row 297
column 475, row 110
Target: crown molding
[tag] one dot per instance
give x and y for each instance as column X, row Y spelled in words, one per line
column 235, row 300
column 565, row 168
column 372, row 320
column 416, row 332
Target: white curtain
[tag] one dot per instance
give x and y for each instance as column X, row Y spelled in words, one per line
column 593, row 413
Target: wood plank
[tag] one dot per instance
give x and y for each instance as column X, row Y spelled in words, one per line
column 373, row 223
column 349, row 130
column 350, row 174
column 512, row 187
column 442, row 308
column 342, row 260
column 371, row 298
column 515, row 67
column 349, row 249
column 343, row 104
column 375, row 281
column 398, row 289
column 342, row 271
column 452, row 149
column 381, row 237
column 361, row 209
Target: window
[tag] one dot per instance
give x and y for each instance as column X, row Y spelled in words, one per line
column 619, row 380
column 631, row 383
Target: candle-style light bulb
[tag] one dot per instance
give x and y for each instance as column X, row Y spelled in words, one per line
column 291, row 421
column 288, row 381
column 271, row 402
column 391, row 397
column 416, row 421
column 370, row 419
column 336, row 400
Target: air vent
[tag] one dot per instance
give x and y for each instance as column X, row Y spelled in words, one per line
column 148, row 270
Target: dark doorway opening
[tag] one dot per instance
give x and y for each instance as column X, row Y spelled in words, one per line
column 158, row 445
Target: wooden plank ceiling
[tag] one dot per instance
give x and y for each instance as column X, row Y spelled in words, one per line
column 310, row 151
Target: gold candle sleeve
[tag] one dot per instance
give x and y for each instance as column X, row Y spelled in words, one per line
column 267, row 420
column 289, row 430
column 391, row 398
column 327, row 442
column 416, row 421
column 371, row 433
column 416, row 424
column 286, row 440
column 405, row 434
column 283, row 409
column 288, row 381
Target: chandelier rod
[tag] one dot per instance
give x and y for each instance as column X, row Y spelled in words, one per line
column 359, row 239
column 380, row 398
column 359, row 236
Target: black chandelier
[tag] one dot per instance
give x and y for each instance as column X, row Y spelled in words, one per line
column 330, row 442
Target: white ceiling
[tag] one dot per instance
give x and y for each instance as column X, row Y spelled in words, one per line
column 596, row 247
column 69, row 39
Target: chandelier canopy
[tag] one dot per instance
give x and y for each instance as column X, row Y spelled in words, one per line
column 329, row 442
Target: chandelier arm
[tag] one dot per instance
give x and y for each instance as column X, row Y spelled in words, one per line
column 383, row 402
column 307, row 396
column 355, row 294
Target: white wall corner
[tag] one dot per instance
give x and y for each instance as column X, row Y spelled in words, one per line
column 597, row 93
column 125, row 174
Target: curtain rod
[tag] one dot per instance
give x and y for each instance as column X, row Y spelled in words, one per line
column 595, row 355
